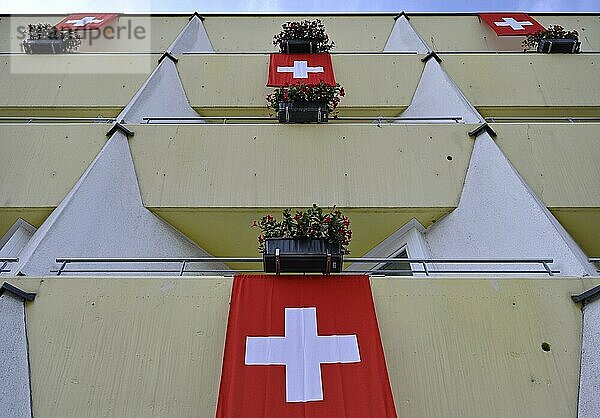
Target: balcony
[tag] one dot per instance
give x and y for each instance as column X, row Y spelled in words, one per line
column 468, row 338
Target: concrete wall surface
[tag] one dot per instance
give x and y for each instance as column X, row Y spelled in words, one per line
column 454, row 348
column 526, row 80
column 470, row 33
column 380, row 81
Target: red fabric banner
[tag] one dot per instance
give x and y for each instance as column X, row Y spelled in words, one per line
column 309, row 69
column 303, row 347
column 511, row 24
column 86, row 21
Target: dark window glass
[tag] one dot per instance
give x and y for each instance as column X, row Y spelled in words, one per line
column 398, row 268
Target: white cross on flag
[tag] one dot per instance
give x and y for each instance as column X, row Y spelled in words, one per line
column 303, row 347
column 511, row 24
column 86, row 21
column 309, row 69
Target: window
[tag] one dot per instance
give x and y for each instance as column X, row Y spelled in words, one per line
column 399, row 268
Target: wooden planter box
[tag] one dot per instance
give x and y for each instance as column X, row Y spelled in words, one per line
column 303, row 112
column 558, row 46
column 299, row 46
column 302, row 255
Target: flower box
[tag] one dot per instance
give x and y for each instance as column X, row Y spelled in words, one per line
column 558, row 46
column 303, row 112
column 302, row 255
column 299, row 46
column 45, row 46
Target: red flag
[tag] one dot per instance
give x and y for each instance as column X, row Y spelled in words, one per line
column 303, row 347
column 310, row 69
column 511, row 24
column 86, row 21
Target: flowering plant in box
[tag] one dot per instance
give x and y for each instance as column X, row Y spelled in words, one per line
column 303, row 93
column 553, row 32
column 42, row 31
column 314, row 222
column 306, row 29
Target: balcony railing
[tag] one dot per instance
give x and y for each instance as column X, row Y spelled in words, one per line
column 595, row 261
column 262, row 119
column 181, row 266
column 4, row 262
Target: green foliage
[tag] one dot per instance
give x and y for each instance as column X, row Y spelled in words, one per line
column 312, row 223
column 305, row 29
column 553, row 32
column 302, row 93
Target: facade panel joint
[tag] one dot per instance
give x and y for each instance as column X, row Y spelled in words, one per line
column 167, row 54
column 196, row 14
column 7, row 287
column 402, row 13
column 432, row 54
column 484, row 127
column 120, row 128
column 587, row 295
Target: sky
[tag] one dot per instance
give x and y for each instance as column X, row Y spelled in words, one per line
column 74, row 6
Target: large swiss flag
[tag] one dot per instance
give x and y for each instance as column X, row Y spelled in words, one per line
column 511, row 24
column 86, row 21
column 303, row 347
column 309, row 69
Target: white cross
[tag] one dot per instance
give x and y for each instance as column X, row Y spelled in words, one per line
column 302, row 351
column 85, row 21
column 300, row 69
column 514, row 24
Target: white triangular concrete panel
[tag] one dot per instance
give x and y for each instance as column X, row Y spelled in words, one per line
column 404, row 38
column 15, row 400
column 437, row 96
column 162, row 95
column 499, row 216
column 193, row 38
column 103, row 216
column 16, row 238
column 589, row 383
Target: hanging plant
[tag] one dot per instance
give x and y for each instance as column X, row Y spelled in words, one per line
column 553, row 32
column 306, row 30
column 314, row 222
column 323, row 93
column 43, row 38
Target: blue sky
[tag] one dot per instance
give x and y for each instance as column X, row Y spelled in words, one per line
column 63, row 6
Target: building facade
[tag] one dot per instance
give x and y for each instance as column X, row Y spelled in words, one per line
column 452, row 146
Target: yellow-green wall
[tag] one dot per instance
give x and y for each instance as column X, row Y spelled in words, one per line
column 454, row 348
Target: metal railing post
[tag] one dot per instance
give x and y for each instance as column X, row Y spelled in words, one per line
column 548, row 270
column 183, row 263
column 62, row 267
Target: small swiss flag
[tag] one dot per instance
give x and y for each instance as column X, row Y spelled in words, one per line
column 303, row 347
column 309, row 69
column 86, row 21
column 511, row 24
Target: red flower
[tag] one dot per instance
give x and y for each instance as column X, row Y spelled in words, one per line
column 342, row 92
column 254, row 224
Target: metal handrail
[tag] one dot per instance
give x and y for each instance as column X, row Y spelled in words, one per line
column 5, row 261
column 542, row 118
column 273, row 51
column 377, row 119
column 424, row 262
column 30, row 119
